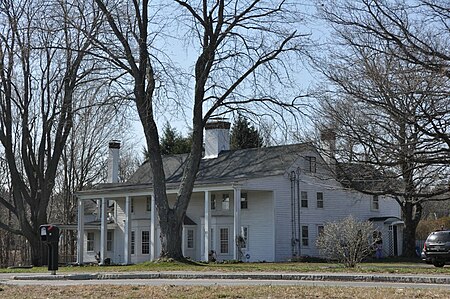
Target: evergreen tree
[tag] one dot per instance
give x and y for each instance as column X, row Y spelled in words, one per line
column 244, row 135
column 172, row 142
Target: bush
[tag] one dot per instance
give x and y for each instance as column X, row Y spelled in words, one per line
column 347, row 241
column 425, row 227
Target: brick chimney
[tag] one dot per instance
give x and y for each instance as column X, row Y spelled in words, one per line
column 113, row 161
column 217, row 137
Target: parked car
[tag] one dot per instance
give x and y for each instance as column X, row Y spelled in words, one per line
column 436, row 248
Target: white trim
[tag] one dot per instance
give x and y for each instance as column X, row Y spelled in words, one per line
column 153, row 229
column 103, row 230
column 80, row 234
column 114, row 194
column 127, row 233
column 207, row 226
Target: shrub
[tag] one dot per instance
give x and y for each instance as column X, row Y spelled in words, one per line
column 425, row 227
column 346, row 241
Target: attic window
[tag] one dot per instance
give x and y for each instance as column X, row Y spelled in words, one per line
column 310, row 164
column 375, row 205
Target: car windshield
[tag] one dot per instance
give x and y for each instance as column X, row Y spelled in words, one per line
column 439, row 237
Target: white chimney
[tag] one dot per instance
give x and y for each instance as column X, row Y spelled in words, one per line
column 217, row 138
column 113, row 161
column 328, row 138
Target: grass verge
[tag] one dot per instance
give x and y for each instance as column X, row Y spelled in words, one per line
column 386, row 266
column 168, row 291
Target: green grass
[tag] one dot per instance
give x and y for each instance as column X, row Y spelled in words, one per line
column 386, row 266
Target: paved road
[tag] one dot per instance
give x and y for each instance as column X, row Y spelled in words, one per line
column 211, row 278
column 222, row 282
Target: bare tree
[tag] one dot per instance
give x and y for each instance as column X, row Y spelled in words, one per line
column 42, row 65
column 376, row 103
column 240, row 46
column 416, row 32
column 418, row 29
column 83, row 160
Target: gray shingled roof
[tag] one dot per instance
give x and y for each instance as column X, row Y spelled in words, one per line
column 229, row 165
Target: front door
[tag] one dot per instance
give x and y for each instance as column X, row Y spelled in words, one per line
column 224, row 245
column 394, row 232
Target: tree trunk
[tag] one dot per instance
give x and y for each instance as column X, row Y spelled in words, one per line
column 171, row 237
column 409, row 240
column 38, row 252
column 409, row 231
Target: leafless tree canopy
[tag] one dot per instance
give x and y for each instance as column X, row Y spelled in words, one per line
column 388, row 100
column 42, row 68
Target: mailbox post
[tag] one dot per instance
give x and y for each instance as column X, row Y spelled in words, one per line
column 50, row 235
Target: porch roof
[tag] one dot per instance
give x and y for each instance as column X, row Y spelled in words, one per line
column 392, row 220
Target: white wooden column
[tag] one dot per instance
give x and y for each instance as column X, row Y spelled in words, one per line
column 153, row 228
column 237, row 221
column 127, row 228
column 207, row 229
column 80, row 232
column 103, row 231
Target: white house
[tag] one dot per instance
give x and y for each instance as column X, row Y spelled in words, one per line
column 276, row 198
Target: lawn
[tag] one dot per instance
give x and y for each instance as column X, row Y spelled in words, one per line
column 386, row 266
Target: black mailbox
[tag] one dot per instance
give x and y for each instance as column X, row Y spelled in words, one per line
column 50, row 235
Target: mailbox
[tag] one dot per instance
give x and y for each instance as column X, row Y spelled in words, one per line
column 50, row 235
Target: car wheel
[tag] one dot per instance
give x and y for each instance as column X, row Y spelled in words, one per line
column 439, row 264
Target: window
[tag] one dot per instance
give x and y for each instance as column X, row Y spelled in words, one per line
column 304, row 199
column 224, row 240
column 244, row 202
column 211, row 239
column 109, row 240
column 305, row 241
column 190, row 238
column 319, row 200
column 244, row 234
column 132, row 205
column 133, row 241
column 320, row 230
column 145, row 242
column 213, row 201
column 90, row 242
column 149, row 204
column 310, row 164
column 226, row 202
column 375, row 203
